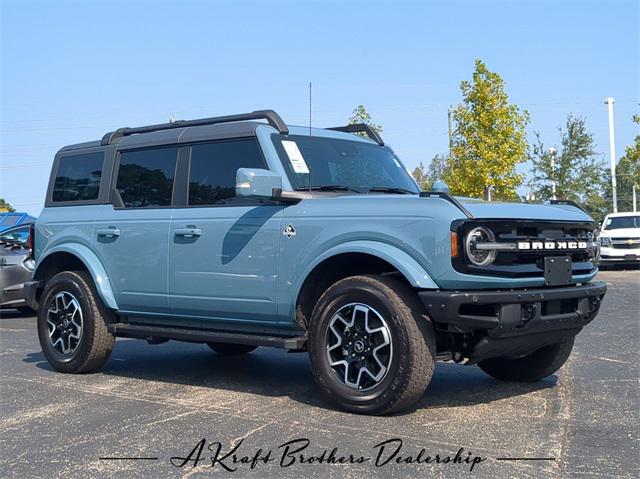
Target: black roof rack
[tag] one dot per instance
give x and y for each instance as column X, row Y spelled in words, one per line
column 568, row 203
column 449, row 198
column 360, row 128
column 271, row 116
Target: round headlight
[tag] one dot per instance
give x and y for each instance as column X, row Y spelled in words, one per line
column 475, row 237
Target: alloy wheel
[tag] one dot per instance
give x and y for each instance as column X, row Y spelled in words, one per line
column 64, row 321
column 359, row 346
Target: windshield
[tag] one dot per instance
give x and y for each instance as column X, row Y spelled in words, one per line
column 619, row 222
column 17, row 235
column 342, row 165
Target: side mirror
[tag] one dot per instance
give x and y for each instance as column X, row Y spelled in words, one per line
column 257, row 183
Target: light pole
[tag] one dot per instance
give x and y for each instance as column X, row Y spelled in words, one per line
column 449, row 127
column 612, row 151
column 552, row 152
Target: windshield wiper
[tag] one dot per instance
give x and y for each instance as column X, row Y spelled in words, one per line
column 328, row 188
column 384, row 189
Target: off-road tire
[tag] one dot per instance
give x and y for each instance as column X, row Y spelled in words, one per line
column 533, row 367
column 228, row 349
column 96, row 342
column 413, row 343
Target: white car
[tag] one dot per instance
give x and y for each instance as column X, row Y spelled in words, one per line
column 620, row 239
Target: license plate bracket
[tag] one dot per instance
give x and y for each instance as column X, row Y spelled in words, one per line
column 557, row 270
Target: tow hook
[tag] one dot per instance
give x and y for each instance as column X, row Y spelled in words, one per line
column 528, row 313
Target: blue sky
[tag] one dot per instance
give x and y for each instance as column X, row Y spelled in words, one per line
column 72, row 71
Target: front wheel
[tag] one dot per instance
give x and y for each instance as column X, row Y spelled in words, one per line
column 72, row 324
column 370, row 345
column 533, row 367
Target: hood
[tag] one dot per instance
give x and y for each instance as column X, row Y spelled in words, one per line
column 525, row 211
column 621, row 233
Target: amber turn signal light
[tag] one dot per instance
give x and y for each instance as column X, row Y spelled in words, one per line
column 454, row 244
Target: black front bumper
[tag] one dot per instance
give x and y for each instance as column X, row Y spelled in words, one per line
column 514, row 321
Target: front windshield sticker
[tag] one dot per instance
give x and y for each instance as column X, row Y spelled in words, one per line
column 295, row 156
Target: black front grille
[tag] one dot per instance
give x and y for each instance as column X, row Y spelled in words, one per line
column 527, row 264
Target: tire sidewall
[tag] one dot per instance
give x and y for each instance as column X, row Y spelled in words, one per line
column 74, row 284
column 330, row 302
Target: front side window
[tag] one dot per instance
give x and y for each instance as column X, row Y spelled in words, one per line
column 78, row 177
column 145, row 177
column 212, row 175
column 342, row 163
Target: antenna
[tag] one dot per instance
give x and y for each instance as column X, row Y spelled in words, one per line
column 310, row 87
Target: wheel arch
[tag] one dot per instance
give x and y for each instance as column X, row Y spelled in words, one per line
column 355, row 258
column 74, row 256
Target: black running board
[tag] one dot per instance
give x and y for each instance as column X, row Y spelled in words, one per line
column 140, row 331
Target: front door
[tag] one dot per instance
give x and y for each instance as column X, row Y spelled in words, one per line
column 223, row 249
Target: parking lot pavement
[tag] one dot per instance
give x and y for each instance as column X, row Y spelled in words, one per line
column 160, row 401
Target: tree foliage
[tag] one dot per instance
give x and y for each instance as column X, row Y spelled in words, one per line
column 4, row 206
column 579, row 172
column 628, row 174
column 489, row 139
column 361, row 115
column 436, row 170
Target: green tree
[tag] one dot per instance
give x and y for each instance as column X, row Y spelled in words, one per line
column 361, row 115
column 575, row 166
column 436, row 171
column 488, row 140
column 421, row 178
column 628, row 174
column 4, row 206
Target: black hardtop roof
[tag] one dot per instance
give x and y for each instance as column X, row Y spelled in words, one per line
column 220, row 127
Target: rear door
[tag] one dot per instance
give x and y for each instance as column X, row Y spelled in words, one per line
column 223, row 249
column 131, row 239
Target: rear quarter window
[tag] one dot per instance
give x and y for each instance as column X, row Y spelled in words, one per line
column 78, row 177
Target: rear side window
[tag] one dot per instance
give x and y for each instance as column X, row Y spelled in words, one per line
column 145, row 177
column 78, row 177
column 212, row 176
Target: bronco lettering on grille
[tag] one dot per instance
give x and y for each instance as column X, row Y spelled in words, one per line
column 552, row 245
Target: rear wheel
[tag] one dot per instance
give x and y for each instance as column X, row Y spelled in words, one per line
column 228, row 349
column 370, row 345
column 72, row 324
column 533, row 367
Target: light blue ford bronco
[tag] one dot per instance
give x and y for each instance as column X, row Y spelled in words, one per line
column 240, row 232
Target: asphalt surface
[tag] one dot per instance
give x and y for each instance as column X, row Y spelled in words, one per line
column 161, row 401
